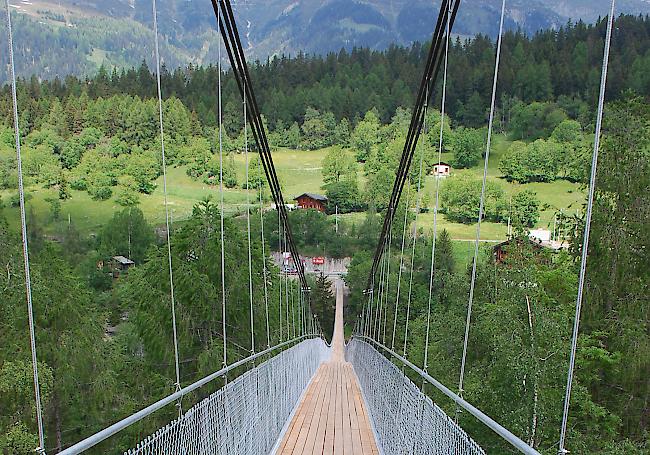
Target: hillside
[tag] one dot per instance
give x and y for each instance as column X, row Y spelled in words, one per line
column 60, row 37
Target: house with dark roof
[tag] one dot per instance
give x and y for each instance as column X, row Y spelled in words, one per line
column 312, row 201
column 120, row 265
column 442, row 169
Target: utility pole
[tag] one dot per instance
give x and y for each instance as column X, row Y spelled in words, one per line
column 554, row 225
column 509, row 215
column 336, row 218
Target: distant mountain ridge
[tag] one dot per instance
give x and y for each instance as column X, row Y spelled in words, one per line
column 59, row 37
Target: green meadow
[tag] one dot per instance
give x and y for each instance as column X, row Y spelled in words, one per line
column 299, row 171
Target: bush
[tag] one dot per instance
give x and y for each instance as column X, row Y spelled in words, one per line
column 525, row 209
column 100, row 193
column 461, row 196
column 468, row 146
column 345, row 196
column 536, row 162
column 14, row 200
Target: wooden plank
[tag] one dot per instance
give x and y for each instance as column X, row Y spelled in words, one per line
column 339, row 433
column 332, row 418
column 347, row 419
column 309, row 428
column 328, row 440
column 304, row 412
column 355, row 433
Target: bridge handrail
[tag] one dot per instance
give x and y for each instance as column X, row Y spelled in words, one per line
column 100, row 436
column 480, row 415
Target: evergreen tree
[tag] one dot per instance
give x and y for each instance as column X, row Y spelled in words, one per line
column 323, row 305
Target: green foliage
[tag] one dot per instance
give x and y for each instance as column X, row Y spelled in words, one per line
column 127, row 195
column 127, row 234
column 460, row 199
column 379, row 188
column 55, row 208
column 289, row 137
column 524, row 209
column 323, row 305
column 78, row 365
column 344, row 195
column 318, row 130
column 616, row 317
column 474, row 111
column 229, row 172
column 17, row 400
column 365, row 136
column 339, row 165
column 567, row 131
column 535, row 120
column 535, row 162
column 256, row 176
column 342, row 133
column 41, row 166
column 18, row 439
column 468, row 145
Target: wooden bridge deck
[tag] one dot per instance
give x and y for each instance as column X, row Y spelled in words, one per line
column 332, row 417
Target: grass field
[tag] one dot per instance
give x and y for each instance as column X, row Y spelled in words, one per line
column 299, row 171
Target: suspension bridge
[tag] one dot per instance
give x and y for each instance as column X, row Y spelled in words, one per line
column 301, row 395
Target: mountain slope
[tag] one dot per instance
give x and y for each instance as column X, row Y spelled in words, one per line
column 58, row 37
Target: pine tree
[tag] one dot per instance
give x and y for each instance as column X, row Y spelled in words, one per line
column 323, row 304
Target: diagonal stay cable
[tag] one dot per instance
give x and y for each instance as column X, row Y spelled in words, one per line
column 482, row 203
column 437, row 196
column 221, row 214
column 248, row 231
column 415, row 127
column 264, row 270
column 23, row 230
column 431, row 68
column 228, row 29
column 585, row 240
column 418, row 202
column 165, row 199
column 237, row 57
column 401, row 265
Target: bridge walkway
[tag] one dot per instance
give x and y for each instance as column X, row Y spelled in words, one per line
column 332, row 418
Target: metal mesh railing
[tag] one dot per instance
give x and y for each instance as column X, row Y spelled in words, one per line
column 405, row 420
column 246, row 416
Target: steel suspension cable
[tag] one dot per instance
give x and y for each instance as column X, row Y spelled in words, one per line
column 248, row 226
column 23, row 230
column 293, row 311
column 585, row 240
column 418, row 202
column 286, row 289
column 228, row 29
column 264, row 271
column 390, row 238
column 430, row 74
column 401, row 265
column 482, row 203
column 437, row 196
column 368, row 312
column 165, row 198
column 223, row 254
column 379, row 297
column 280, row 274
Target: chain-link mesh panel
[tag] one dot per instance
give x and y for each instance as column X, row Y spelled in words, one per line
column 246, row 416
column 405, row 420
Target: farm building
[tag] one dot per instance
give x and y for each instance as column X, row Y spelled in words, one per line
column 442, row 169
column 312, row 201
column 120, row 265
column 501, row 249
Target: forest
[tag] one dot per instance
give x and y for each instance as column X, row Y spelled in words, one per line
column 105, row 343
